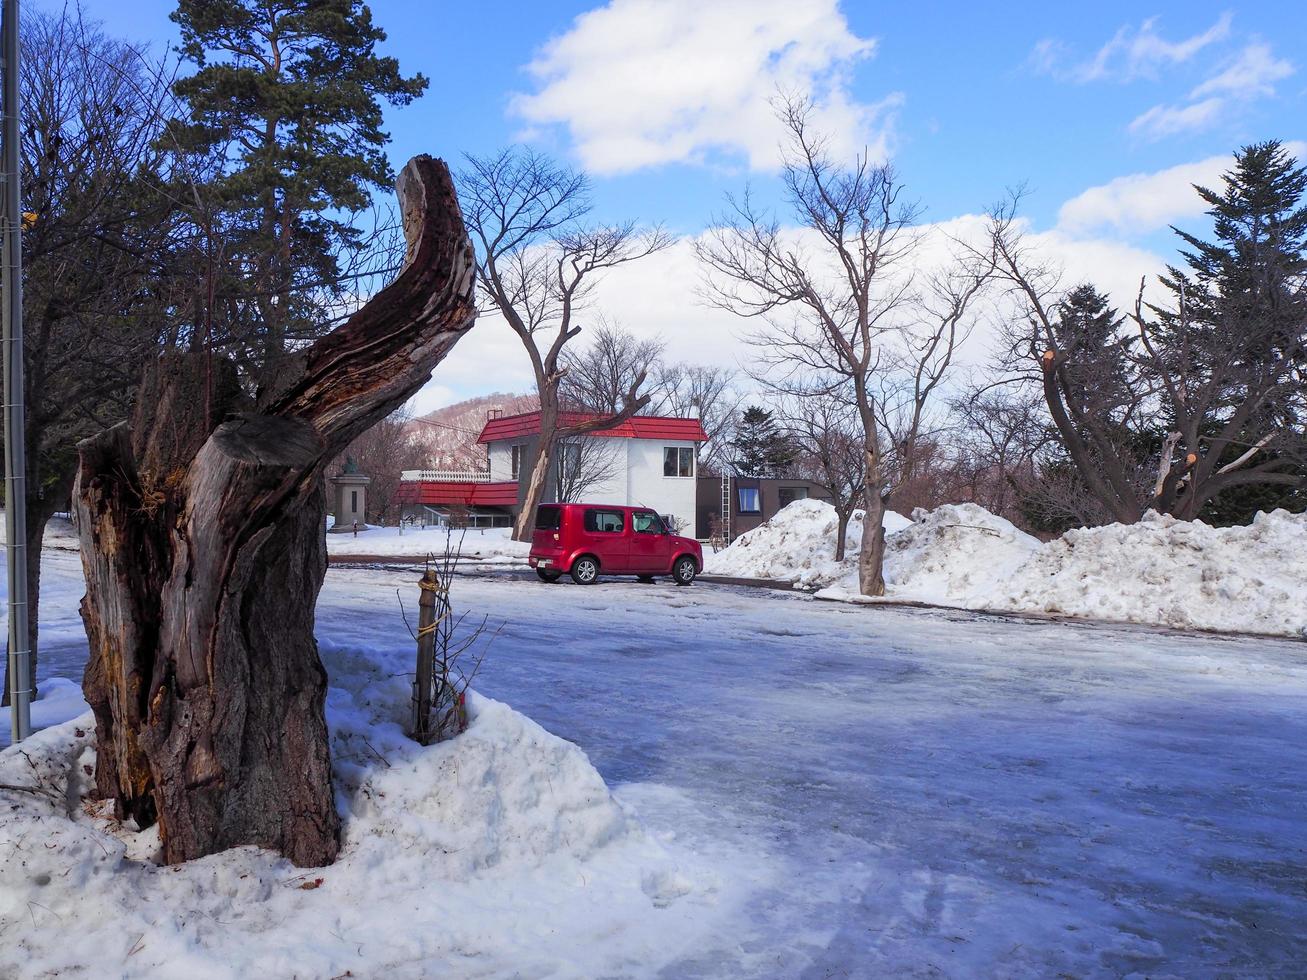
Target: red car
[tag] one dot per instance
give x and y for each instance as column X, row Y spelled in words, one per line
column 583, row 539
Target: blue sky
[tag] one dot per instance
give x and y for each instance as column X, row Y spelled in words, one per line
column 1106, row 111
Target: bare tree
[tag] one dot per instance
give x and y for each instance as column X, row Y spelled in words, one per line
column 1003, row 429
column 97, row 232
column 709, row 393
column 827, row 429
column 584, row 463
column 537, row 265
column 827, row 304
column 598, row 376
column 383, row 452
column 937, row 318
column 1096, row 401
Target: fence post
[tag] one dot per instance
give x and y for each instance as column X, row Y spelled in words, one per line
column 422, row 685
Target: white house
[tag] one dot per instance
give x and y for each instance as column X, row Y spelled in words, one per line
column 646, row 461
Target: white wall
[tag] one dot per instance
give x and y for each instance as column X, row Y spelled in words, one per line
column 673, row 495
column 637, row 478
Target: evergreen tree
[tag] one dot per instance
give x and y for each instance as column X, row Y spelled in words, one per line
column 1242, row 300
column 286, row 98
column 760, row 447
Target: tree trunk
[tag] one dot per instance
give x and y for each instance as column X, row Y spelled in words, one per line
column 841, row 531
column 204, row 552
column 871, row 556
column 535, row 488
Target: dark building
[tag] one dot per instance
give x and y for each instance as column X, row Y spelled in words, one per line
column 747, row 501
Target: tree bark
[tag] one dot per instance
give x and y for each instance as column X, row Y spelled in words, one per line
column 841, row 531
column 524, row 526
column 201, row 526
column 871, row 555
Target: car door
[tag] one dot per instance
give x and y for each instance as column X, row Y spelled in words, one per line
column 649, row 543
column 605, row 531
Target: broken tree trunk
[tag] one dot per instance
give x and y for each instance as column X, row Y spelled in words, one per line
column 201, row 527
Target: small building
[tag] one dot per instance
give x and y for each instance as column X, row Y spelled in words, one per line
column 646, row 461
column 744, row 502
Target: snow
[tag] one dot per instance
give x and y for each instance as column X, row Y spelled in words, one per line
column 499, row 851
column 488, row 546
column 792, row 546
column 807, row 789
column 1161, row 571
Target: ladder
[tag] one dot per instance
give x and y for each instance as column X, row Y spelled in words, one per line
column 726, row 508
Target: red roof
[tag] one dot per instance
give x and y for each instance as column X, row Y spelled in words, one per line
column 636, row 427
column 467, row 493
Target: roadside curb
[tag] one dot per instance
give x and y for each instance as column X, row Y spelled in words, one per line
column 1062, row 619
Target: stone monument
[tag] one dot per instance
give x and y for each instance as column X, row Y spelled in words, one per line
column 350, row 498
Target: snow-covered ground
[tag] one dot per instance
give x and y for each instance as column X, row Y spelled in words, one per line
column 816, row 790
column 1160, row 571
column 488, row 546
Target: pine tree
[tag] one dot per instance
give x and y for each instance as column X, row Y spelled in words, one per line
column 1243, row 300
column 760, row 447
column 286, row 97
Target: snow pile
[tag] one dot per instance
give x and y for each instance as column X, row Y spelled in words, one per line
column 488, row 546
column 1160, row 571
column 797, row 545
column 499, row 852
column 954, row 555
column 1175, row 573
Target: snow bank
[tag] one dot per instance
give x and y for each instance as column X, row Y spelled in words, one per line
column 797, row 545
column 492, row 545
column 1160, row 571
column 1175, row 573
column 952, row 555
column 500, row 852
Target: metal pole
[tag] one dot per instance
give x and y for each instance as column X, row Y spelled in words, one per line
column 20, row 679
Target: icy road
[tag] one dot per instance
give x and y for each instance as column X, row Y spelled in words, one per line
column 926, row 794
column 917, row 793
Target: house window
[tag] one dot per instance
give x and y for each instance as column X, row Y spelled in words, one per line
column 647, row 522
column 517, row 453
column 750, row 500
column 788, row 495
column 678, row 461
column 605, row 521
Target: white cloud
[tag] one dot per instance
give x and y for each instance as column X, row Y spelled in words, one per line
column 1169, row 120
column 1131, row 53
column 638, row 83
column 1252, row 73
column 1140, row 203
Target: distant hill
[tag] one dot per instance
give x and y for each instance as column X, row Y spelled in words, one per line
column 449, row 434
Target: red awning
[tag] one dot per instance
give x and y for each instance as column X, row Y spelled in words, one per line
column 466, row 494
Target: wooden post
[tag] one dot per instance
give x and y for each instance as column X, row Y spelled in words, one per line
column 422, row 684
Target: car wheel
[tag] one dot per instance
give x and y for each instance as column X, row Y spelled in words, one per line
column 644, row 578
column 684, row 570
column 548, row 576
column 585, row 570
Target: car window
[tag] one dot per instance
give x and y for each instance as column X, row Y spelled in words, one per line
column 549, row 518
column 647, row 522
column 605, row 521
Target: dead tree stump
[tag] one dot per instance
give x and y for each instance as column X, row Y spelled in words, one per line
column 201, row 526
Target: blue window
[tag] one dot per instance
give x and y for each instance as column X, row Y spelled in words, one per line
column 750, row 502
